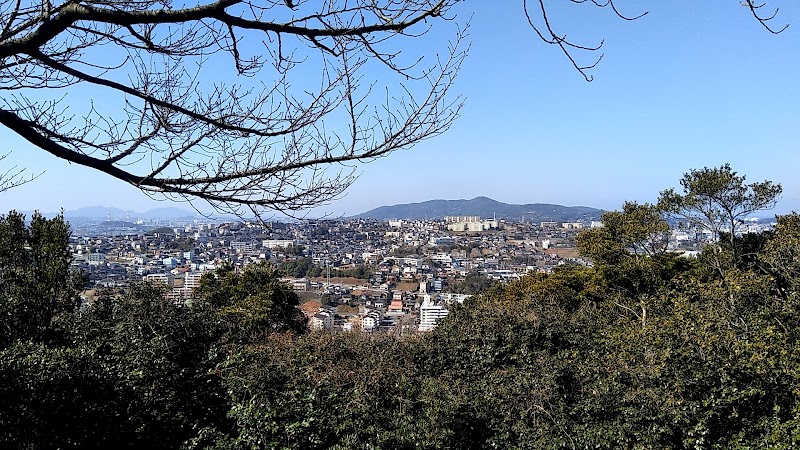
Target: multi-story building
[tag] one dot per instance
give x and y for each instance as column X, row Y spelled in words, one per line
column 321, row 321
column 278, row 243
column 371, row 319
column 430, row 313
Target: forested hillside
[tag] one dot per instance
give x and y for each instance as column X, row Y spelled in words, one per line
column 645, row 349
column 482, row 207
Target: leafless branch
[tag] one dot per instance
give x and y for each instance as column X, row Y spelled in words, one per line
column 540, row 21
column 14, row 176
column 764, row 19
column 275, row 137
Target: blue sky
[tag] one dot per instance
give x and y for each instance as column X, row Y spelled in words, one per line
column 690, row 85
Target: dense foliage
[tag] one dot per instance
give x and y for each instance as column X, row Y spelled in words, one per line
column 645, row 349
column 35, row 281
column 473, row 283
column 301, row 267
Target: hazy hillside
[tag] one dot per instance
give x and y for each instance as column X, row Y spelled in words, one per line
column 483, row 207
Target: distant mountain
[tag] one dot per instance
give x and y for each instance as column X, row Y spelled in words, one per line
column 484, row 207
column 95, row 212
column 104, row 212
column 166, row 213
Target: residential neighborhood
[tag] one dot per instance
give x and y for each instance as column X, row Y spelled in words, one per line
column 397, row 276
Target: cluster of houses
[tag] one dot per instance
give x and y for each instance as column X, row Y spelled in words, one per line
column 407, row 270
column 405, row 312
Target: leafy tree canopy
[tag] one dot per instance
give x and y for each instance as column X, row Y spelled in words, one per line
column 253, row 302
column 36, row 283
column 717, row 199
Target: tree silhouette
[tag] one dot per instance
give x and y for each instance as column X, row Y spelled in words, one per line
column 134, row 89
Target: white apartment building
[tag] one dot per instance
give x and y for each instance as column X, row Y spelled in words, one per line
column 242, row 247
column 96, row 259
column 456, row 219
column 473, row 224
column 442, row 240
column 442, row 258
column 409, row 261
column 430, row 314
column 191, row 281
column 449, row 297
column 371, row 320
column 278, row 243
column 161, row 278
column 298, row 284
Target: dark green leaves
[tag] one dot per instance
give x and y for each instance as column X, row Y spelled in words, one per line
column 36, row 284
column 252, row 303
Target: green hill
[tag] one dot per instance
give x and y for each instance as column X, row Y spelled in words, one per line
column 484, row 207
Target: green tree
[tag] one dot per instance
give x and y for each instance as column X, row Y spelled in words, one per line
column 296, row 250
column 637, row 229
column 781, row 255
column 561, row 360
column 498, row 372
column 359, row 271
column 59, row 397
column 717, row 199
column 129, row 370
column 298, row 268
column 253, row 303
column 630, row 256
column 709, row 370
column 314, row 271
column 183, row 244
column 473, row 283
column 160, row 358
column 323, row 391
column 36, row 284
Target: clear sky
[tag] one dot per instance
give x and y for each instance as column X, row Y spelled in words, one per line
column 690, row 85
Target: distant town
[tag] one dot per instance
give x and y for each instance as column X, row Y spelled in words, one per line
column 396, row 276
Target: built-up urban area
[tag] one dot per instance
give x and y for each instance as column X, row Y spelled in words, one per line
column 394, row 276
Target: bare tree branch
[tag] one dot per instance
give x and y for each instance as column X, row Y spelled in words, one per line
column 539, row 19
column 276, row 138
column 764, row 19
column 14, row 176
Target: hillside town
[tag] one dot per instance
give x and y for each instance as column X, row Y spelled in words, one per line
column 393, row 276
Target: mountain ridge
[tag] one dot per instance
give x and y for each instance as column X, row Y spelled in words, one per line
column 484, row 207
